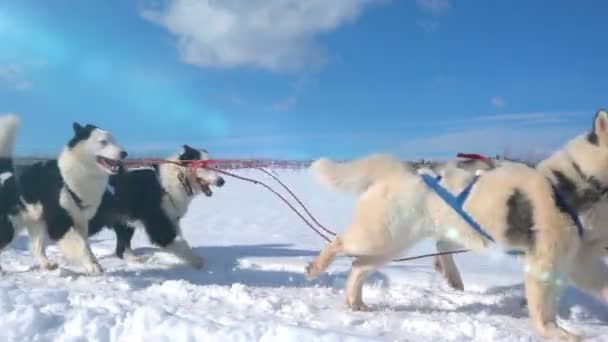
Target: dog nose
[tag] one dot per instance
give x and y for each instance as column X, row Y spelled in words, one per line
column 123, row 154
column 220, row 182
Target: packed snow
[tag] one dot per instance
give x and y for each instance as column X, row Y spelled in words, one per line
column 253, row 289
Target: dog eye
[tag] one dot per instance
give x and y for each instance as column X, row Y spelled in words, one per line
column 103, row 142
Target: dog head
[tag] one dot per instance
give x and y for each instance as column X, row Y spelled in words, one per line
column 199, row 179
column 583, row 171
column 96, row 146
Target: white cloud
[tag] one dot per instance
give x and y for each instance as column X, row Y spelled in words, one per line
column 489, row 141
column 289, row 102
column 532, row 117
column 12, row 77
column 435, row 7
column 428, row 25
column 524, row 135
column 498, row 102
column 286, row 104
column 275, row 35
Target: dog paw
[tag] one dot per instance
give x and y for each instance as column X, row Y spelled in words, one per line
column 553, row 331
column 357, row 306
column 604, row 294
column 94, row 269
column 311, row 271
column 456, row 284
column 134, row 259
column 50, row 265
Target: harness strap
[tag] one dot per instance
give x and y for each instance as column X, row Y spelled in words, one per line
column 77, row 200
column 561, row 202
column 456, row 202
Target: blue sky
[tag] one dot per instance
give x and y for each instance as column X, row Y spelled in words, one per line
column 305, row 78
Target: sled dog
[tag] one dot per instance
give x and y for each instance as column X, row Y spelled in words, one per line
column 522, row 209
column 56, row 199
column 155, row 197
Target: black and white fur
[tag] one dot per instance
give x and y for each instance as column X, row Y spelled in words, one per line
column 156, row 198
column 56, row 199
column 9, row 197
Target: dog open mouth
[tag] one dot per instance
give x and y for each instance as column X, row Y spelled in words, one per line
column 204, row 187
column 110, row 165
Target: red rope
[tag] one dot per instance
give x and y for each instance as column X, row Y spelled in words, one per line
column 473, row 156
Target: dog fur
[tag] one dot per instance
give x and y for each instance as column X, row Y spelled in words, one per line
column 156, row 198
column 56, row 199
column 514, row 203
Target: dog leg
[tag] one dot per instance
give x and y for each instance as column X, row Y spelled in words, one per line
column 362, row 268
column 589, row 273
column 165, row 233
column 76, row 249
column 7, row 232
column 541, row 284
column 124, row 234
column 180, row 248
column 445, row 265
column 325, row 258
column 38, row 244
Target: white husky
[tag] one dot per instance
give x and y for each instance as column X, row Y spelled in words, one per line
column 521, row 208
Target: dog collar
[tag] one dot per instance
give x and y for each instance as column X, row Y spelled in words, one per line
column 185, row 184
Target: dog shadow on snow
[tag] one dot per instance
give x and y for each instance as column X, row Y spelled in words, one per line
column 572, row 304
column 227, row 265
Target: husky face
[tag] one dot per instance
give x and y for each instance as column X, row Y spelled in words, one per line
column 201, row 178
column 97, row 146
column 596, row 161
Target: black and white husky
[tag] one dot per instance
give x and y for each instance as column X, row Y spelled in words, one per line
column 156, row 198
column 56, row 199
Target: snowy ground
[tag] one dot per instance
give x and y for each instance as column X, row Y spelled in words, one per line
column 253, row 288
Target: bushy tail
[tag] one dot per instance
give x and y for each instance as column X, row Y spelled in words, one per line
column 358, row 175
column 8, row 131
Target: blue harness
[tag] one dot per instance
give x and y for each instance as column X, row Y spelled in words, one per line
column 457, row 203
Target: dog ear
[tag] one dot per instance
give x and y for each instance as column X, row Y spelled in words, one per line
column 189, row 153
column 600, row 124
column 77, row 127
column 187, row 149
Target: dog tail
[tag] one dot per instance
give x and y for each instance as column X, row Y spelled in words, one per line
column 357, row 175
column 8, row 131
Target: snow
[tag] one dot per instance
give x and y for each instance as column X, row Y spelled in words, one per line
column 252, row 287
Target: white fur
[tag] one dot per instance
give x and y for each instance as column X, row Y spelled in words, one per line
column 9, row 124
column 341, row 178
column 75, row 248
column 4, row 176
